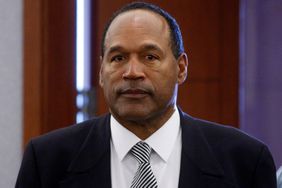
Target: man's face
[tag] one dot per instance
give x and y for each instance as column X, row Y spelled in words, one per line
column 139, row 74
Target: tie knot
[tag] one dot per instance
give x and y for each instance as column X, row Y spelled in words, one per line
column 141, row 151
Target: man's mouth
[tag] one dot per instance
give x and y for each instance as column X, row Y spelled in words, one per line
column 134, row 93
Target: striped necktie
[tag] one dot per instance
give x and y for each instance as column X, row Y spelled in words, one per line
column 144, row 177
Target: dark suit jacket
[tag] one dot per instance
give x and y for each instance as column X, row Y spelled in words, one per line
column 213, row 156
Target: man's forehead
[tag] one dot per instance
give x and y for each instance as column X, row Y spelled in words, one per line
column 136, row 14
column 137, row 19
column 142, row 22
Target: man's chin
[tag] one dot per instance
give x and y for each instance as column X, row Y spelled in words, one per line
column 131, row 116
column 134, row 115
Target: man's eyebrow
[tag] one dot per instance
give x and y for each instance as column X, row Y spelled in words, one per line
column 144, row 47
column 113, row 49
column 147, row 47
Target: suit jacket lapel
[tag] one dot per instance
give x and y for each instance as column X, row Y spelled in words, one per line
column 91, row 167
column 199, row 167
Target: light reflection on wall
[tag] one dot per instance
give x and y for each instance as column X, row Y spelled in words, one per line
column 82, row 58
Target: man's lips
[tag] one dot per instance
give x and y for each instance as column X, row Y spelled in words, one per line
column 134, row 93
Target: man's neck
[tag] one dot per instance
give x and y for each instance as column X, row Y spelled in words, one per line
column 145, row 128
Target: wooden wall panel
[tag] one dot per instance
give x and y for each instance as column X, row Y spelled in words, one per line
column 229, row 74
column 32, row 106
column 210, row 34
column 49, row 66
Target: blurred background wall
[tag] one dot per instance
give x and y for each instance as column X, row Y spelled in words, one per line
column 10, row 90
column 261, row 72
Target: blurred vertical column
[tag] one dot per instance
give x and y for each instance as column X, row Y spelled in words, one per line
column 85, row 99
column 11, row 84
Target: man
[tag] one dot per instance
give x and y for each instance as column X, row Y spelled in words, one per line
column 145, row 141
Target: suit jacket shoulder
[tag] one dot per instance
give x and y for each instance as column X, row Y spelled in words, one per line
column 49, row 158
column 227, row 153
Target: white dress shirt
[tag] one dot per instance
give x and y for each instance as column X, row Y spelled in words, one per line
column 165, row 158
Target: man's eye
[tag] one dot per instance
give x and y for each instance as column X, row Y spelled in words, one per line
column 117, row 58
column 150, row 57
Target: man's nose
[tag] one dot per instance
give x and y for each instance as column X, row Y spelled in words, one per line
column 134, row 70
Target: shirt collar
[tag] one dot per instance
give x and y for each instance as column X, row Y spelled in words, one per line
column 162, row 141
column 122, row 139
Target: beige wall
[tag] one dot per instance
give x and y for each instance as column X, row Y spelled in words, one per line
column 10, row 90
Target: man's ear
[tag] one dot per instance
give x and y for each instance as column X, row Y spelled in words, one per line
column 182, row 62
column 101, row 81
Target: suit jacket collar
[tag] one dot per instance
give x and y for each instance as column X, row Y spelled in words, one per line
column 199, row 166
column 196, row 147
column 91, row 166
